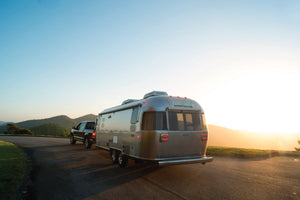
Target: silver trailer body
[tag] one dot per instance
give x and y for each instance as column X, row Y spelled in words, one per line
column 161, row 128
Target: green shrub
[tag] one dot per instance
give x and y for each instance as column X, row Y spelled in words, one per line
column 14, row 129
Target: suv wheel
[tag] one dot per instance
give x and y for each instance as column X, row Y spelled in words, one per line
column 72, row 140
column 87, row 143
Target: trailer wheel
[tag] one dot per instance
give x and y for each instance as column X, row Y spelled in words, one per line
column 122, row 160
column 114, row 154
column 72, row 140
column 87, row 143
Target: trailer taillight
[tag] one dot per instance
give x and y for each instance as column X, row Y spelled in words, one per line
column 164, row 137
column 93, row 135
column 138, row 136
column 204, row 137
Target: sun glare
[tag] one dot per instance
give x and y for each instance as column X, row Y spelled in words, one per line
column 264, row 102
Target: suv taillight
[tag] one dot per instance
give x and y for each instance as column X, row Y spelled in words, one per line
column 93, row 135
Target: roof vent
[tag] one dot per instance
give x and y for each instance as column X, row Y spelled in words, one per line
column 155, row 93
column 128, row 101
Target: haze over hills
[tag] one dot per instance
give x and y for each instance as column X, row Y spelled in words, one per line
column 2, row 122
column 218, row 136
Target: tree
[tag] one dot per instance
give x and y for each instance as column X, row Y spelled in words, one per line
column 51, row 129
column 297, row 149
column 24, row 131
column 14, row 129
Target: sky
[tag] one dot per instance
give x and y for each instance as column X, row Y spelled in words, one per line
column 238, row 59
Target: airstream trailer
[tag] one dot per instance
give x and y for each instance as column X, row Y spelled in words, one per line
column 158, row 128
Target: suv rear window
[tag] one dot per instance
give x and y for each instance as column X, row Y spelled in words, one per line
column 154, row 121
column 90, row 125
column 184, row 121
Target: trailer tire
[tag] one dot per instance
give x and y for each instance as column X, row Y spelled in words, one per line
column 87, row 143
column 122, row 159
column 114, row 155
column 72, row 140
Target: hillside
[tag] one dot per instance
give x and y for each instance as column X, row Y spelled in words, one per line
column 62, row 120
column 220, row 136
column 50, row 129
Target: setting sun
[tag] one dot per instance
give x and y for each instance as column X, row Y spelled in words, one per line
column 264, row 102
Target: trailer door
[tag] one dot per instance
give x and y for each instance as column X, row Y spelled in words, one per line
column 184, row 136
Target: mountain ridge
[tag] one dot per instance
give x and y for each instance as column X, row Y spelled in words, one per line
column 61, row 120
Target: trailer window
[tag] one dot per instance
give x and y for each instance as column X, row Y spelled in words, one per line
column 134, row 115
column 184, row 121
column 203, row 122
column 154, row 121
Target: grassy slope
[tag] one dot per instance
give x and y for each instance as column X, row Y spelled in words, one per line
column 12, row 169
column 247, row 153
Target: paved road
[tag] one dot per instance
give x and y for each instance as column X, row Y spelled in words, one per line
column 64, row 171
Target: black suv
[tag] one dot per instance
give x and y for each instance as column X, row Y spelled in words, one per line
column 84, row 132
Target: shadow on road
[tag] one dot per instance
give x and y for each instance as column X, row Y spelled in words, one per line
column 64, row 171
column 76, row 173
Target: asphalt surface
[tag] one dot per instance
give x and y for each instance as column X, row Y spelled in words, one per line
column 64, row 171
